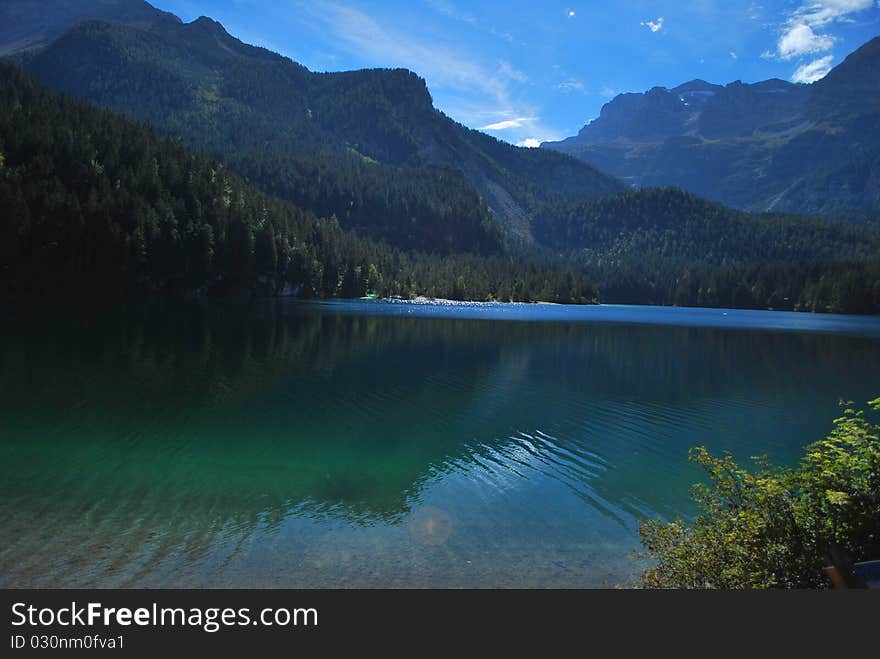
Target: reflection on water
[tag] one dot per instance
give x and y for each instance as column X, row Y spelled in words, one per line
column 286, row 444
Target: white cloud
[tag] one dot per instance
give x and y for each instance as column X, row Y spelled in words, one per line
column 813, row 71
column 805, row 33
column 507, row 124
column 801, row 40
column 571, row 86
column 654, row 26
column 530, row 143
column 450, row 10
column 733, row 54
column 755, row 11
column 608, row 92
column 474, row 91
column 441, row 66
column 510, row 72
column 444, row 68
column 822, row 12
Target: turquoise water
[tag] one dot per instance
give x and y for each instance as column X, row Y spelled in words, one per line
column 388, row 444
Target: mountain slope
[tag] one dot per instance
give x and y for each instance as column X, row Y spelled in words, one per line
column 666, row 246
column 851, row 89
column 769, row 146
column 93, row 203
column 678, row 224
column 25, row 24
column 369, row 149
column 347, row 144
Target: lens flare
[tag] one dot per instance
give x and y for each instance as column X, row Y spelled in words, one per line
column 430, row 526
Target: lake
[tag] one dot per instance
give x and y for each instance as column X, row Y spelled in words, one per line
column 387, row 444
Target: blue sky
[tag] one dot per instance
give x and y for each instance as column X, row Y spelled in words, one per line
column 533, row 71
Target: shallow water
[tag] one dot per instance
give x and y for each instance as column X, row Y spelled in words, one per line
column 387, row 444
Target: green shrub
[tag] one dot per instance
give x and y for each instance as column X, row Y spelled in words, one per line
column 777, row 527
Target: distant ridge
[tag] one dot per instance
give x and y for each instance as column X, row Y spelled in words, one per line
column 25, row 24
column 341, row 144
column 767, row 146
column 368, row 152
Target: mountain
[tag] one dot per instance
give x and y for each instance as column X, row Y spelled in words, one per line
column 768, row 146
column 405, row 190
column 669, row 247
column 94, row 204
column 366, row 146
column 678, row 224
column 851, row 90
column 25, row 24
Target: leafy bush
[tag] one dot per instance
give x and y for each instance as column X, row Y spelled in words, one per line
column 778, row 527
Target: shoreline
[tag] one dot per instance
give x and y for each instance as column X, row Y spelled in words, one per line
column 421, row 299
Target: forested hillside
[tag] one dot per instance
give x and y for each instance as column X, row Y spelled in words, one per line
column 413, row 202
column 678, row 224
column 366, row 146
column 94, row 203
column 666, row 246
column 28, row 24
